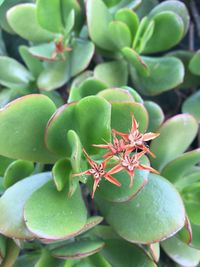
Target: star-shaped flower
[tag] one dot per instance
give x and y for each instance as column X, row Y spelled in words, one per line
column 129, row 164
column 137, row 139
column 97, row 170
column 115, row 148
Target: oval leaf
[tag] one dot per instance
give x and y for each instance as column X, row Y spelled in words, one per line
column 24, row 139
column 12, row 205
column 57, row 217
column 19, row 15
column 176, row 135
column 158, row 201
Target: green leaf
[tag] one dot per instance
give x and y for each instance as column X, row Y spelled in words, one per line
column 55, row 207
column 12, row 206
column 143, row 40
column 98, row 260
column 190, row 80
column 121, row 116
column 16, row 171
column 120, row 34
column 99, row 32
column 181, row 253
column 176, row 169
column 195, row 63
column 156, row 115
column 47, row 260
column 4, row 163
column 27, row 260
column 66, row 8
column 167, row 24
column 11, row 254
column 158, row 201
column 131, row 4
column 113, row 73
column 80, row 56
column 134, row 94
column 54, row 75
column 76, row 150
column 176, row 7
column 3, row 13
column 135, row 61
column 24, row 139
column 45, row 11
column 130, row 18
column 116, row 94
column 120, row 253
column 90, row 86
column 78, row 249
column 91, row 110
column 176, row 134
column 191, row 105
column 43, row 51
column 33, row 64
column 124, row 193
column 13, row 74
column 19, row 15
column 159, row 70
column 61, row 171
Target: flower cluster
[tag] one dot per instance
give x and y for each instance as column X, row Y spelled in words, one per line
column 126, row 152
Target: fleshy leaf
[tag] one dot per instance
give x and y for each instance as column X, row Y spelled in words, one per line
column 181, row 253
column 47, row 260
column 158, row 201
column 175, row 170
column 156, row 115
column 78, row 249
column 166, row 24
column 192, row 105
column 11, row 220
column 99, row 33
column 58, row 217
column 61, row 171
column 19, row 15
column 124, row 193
column 121, row 116
column 176, row 135
column 130, row 18
column 160, row 69
column 120, row 34
column 24, row 139
column 33, row 64
column 113, row 73
column 176, row 7
column 90, row 111
column 16, row 171
column 195, row 63
column 13, row 74
column 121, row 253
column 45, row 11
column 116, row 94
column 135, row 61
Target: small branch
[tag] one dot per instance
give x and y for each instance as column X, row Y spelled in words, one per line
column 195, row 15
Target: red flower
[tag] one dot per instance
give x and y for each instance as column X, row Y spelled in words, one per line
column 98, row 171
column 118, row 146
column 130, row 163
column 136, row 139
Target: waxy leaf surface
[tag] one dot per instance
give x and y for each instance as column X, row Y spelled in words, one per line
column 12, row 205
column 24, row 138
column 50, row 214
column 176, row 134
column 155, row 214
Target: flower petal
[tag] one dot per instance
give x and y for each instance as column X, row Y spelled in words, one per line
column 112, row 179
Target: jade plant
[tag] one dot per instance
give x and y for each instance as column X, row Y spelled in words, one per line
column 96, row 168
